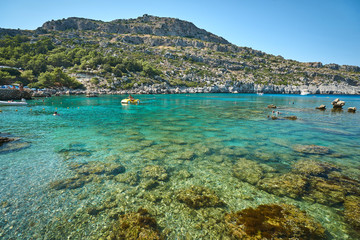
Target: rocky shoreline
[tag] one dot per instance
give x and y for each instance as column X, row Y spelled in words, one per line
column 10, row 94
column 225, row 88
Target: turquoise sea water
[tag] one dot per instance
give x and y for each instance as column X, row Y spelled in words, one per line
column 196, row 138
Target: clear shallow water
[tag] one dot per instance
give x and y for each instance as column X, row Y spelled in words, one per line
column 197, row 139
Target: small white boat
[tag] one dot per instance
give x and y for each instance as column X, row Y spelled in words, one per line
column 304, row 92
column 259, row 93
column 12, row 103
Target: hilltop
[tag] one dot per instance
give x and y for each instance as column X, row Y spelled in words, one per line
column 152, row 54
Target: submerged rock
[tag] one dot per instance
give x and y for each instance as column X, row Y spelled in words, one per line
column 155, row 172
column 98, row 168
column 13, row 146
column 87, row 172
column 291, row 117
column 311, row 149
column 153, row 155
column 5, row 140
column 312, row 181
column 273, row 222
column 130, row 178
column 250, row 171
column 325, row 191
column 149, row 184
column 135, row 225
column 199, row 197
column 186, row 155
column 313, row 168
column 72, row 153
column 184, row 174
column 289, row 184
column 70, row 183
column 352, row 211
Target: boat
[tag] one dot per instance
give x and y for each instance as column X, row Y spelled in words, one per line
column 259, row 93
column 130, row 101
column 12, row 103
column 304, row 92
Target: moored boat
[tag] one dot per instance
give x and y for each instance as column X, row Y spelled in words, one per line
column 12, row 103
column 304, row 92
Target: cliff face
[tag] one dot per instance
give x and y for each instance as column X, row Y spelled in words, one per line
column 142, row 25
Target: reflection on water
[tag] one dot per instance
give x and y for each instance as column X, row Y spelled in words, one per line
column 180, row 167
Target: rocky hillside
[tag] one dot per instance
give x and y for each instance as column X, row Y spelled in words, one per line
column 164, row 55
column 146, row 24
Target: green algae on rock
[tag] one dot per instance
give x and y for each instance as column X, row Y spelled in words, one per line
column 199, row 197
column 71, row 183
column 273, row 222
column 289, row 184
column 352, row 211
column 313, row 168
column 98, row 168
column 149, row 184
column 88, row 172
column 185, row 155
column 134, row 226
column 5, row 140
column 325, row 191
column 131, row 178
column 155, row 172
column 311, row 149
column 291, row 117
column 73, row 153
column 312, row 181
column 13, row 146
column 250, row 171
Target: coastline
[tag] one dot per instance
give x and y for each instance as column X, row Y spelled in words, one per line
column 226, row 88
column 7, row 94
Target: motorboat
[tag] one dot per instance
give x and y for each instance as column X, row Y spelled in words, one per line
column 12, row 103
column 259, row 93
column 130, row 101
column 304, row 92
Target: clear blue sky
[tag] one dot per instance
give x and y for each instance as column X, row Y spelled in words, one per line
column 304, row 30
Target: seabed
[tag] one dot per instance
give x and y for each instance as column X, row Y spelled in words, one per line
column 203, row 166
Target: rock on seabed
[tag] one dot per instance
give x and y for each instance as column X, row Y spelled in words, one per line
column 134, row 226
column 273, row 222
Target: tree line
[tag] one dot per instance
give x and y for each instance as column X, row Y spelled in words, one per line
column 42, row 63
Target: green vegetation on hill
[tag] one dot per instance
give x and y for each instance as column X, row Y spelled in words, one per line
column 100, row 57
column 43, row 62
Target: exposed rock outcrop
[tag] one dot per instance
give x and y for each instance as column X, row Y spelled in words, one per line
column 321, row 107
column 14, row 94
column 352, row 109
column 142, row 25
column 337, row 103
